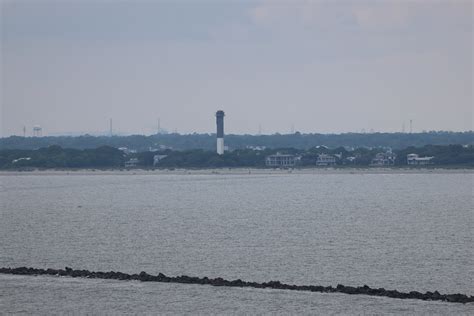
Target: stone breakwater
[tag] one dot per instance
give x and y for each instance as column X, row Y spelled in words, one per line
column 145, row 277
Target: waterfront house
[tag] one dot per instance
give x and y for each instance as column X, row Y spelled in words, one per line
column 21, row 159
column 131, row 163
column 281, row 160
column 384, row 159
column 325, row 160
column 414, row 159
column 158, row 158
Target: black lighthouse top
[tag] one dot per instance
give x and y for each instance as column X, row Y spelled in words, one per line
column 220, row 123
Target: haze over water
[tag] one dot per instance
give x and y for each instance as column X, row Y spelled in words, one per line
column 397, row 231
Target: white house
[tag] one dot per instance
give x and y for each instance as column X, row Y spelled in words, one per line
column 325, row 160
column 280, row 160
column 384, row 159
column 158, row 158
column 414, row 159
column 131, row 163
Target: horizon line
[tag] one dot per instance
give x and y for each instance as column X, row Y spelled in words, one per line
column 107, row 135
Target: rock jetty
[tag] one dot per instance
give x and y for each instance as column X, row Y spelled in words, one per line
column 145, row 277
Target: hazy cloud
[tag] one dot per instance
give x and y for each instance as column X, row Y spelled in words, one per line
column 324, row 66
column 379, row 15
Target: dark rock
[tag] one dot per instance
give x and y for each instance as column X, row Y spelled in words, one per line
column 218, row 282
column 145, row 277
column 415, row 294
column 237, row 282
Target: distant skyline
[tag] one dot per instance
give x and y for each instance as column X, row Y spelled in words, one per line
column 274, row 66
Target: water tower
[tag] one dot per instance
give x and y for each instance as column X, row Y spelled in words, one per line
column 37, row 131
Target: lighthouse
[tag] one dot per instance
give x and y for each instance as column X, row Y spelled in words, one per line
column 220, row 131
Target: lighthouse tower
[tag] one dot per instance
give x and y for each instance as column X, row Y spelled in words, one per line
column 220, row 131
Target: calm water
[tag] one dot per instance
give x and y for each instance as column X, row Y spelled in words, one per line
column 397, row 231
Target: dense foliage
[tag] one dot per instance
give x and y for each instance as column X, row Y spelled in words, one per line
column 108, row 157
column 209, row 159
column 208, row 141
column 57, row 157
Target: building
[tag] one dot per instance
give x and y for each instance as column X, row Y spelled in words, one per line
column 281, row 160
column 131, row 163
column 220, row 132
column 414, row 159
column 21, row 159
column 321, row 147
column 384, row 159
column 127, row 150
column 349, row 160
column 256, row 148
column 325, row 160
column 158, row 158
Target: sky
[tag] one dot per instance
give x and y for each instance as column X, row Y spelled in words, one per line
column 272, row 66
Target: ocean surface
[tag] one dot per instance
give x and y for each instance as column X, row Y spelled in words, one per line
column 396, row 231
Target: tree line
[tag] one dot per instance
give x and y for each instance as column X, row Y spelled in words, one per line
column 58, row 157
column 110, row 157
column 208, row 141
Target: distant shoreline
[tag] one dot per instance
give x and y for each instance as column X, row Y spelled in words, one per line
column 238, row 171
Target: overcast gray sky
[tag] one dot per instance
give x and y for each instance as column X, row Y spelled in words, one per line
column 322, row 66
